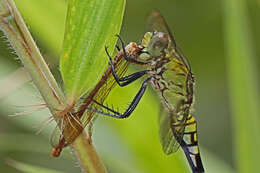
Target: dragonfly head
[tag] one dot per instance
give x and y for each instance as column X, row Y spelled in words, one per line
column 157, row 43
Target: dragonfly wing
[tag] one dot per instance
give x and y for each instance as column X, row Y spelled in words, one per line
column 156, row 22
column 104, row 90
column 167, row 139
column 68, row 127
column 189, row 144
column 177, row 125
column 181, row 133
column 175, row 129
column 55, row 137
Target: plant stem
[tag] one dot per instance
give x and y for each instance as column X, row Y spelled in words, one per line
column 88, row 155
column 14, row 28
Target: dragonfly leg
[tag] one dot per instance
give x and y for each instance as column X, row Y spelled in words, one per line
column 118, row 48
column 127, row 79
column 130, row 108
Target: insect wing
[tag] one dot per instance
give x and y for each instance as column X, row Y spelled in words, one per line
column 68, row 127
column 74, row 126
column 168, row 141
column 55, row 137
column 173, row 119
column 105, row 89
column 177, row 126
column 157, row 23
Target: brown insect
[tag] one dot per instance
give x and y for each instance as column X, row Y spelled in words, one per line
column 74, row 121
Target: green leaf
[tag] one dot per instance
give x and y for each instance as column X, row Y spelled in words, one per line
column 244, row 95
column 26, row 168
column 90, row 26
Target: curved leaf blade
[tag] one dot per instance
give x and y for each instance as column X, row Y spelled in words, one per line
column 90, row 26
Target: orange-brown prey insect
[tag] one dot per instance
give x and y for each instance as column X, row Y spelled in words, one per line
column 74, row 121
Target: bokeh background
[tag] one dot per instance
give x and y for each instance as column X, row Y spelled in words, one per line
column 131, row 145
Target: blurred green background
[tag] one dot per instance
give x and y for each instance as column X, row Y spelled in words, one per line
column 131, row 145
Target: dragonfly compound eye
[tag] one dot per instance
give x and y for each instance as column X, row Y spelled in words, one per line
column 158, row 43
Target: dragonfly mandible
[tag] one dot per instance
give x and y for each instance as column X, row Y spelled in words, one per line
column 169, row 72
column 74, row 120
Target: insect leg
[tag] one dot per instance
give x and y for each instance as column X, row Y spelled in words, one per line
column 127, row 79
column 118, row 48
column 124, row 81
column 130, row 108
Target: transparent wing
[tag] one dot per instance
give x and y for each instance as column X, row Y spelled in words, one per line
column 56, row 136
column 168, row 141
column 177, row 126
column 68, row 127
column 157, row 23
column 105, row 89
column 179, row 94
column 75, row 123
column 176, row 109
column 184, row 134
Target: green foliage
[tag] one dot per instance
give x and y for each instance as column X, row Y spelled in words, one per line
column 90, row 26
column 44, row 23
column 132, row 145
column 244, row 95
column 26, row 168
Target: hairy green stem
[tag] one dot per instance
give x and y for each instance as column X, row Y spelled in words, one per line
column 14, row 28
column 22, row 42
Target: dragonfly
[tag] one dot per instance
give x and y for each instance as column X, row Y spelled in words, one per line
column 169, row 72
column 74, row 119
